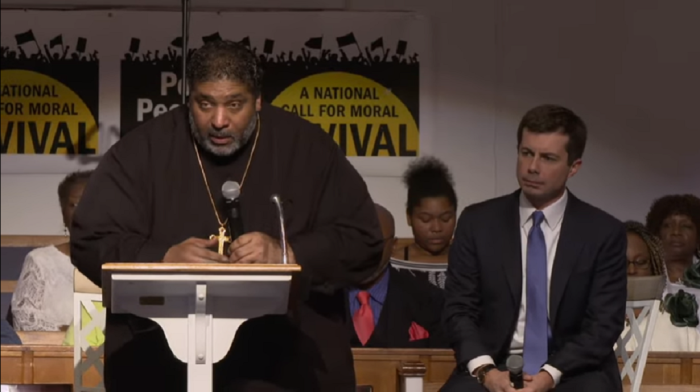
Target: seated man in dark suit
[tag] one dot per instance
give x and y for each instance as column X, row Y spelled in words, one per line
column 538, row 273
column 393, row 309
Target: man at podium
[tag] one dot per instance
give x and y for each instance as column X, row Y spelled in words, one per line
column 156, row 196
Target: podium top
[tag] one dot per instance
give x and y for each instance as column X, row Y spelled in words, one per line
column 167, row 271
column 199, row 268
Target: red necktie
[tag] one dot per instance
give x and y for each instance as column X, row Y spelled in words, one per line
column 363, row 318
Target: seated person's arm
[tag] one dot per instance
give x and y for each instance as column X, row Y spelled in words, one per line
column 463, row 298
column 111, row 223
column 29, row 299
column 345, row 246
column 605, row 316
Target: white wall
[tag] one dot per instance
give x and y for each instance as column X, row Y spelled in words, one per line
column 629, row 68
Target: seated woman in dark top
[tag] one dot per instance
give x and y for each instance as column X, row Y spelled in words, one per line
column 675, row 219
column 431, row 211
column 9, row 336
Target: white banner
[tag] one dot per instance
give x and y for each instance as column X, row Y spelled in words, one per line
column 73, row 82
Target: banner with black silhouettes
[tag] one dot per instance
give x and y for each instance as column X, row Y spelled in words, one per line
column 360, row 76
column 149, row 84
column 50, row 94
column 60, row 85
column 74, row 82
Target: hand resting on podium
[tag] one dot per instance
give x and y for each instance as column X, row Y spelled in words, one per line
column 250, row 248
column 257, row 248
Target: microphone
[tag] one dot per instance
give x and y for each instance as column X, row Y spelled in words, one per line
column 231, row 190
column 515, row 368
column 277, row 201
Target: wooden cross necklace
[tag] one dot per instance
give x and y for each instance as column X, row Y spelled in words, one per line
column 222, row 237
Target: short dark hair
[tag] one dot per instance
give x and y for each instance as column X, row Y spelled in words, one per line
column 555, row 118
column 71, row 180
column 662, row 208
column 428, row 177
column 653, row 243
column 225, row 60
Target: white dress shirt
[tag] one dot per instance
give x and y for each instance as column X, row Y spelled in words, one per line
column 551, row 227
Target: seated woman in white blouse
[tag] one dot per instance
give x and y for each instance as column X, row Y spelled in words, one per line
column 674, row 330
column 43, row 298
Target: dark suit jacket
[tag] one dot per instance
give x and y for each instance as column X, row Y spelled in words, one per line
column 587, row 296
column 407, row 300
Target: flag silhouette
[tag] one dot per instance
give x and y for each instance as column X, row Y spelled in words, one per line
column 82, row 44
column 56, row 41
column 269, row 46
column 177, row 42
column 314, row 43
column 23, row 38
column 348, row 39
column 401, row 48
column 211, row 38
column 245, row 41
column 378, row 43
column 134, row 45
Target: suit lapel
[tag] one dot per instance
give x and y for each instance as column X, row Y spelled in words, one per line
column 348, row 316
column 568, row 251
column 512, row 255
column 381, row 337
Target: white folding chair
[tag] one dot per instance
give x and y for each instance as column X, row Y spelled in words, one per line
column 644, row 296
column 89, row 319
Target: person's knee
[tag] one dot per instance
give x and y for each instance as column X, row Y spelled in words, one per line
column 591, row 381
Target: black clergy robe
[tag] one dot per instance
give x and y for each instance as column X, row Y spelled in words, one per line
column 147, row 195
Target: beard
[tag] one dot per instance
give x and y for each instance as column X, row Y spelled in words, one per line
column 228, row 150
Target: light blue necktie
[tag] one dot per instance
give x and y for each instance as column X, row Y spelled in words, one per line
column 536, row 325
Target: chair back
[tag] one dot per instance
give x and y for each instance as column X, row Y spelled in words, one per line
column 643, row 295
column 89, row 320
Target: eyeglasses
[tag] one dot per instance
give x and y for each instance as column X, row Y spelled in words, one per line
column 639, row 264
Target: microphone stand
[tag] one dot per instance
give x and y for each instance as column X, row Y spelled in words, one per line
column 283, row 233
column 185, row 38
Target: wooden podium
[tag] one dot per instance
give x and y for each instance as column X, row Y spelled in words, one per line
column 199, row 306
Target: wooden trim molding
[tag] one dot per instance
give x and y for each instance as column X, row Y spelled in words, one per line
column 38, row 365
column 213, row 268
column 36, row 338
column 31, row 241
column 412, row 369
column 8, row 286
column 402, row 243
column 378, row 368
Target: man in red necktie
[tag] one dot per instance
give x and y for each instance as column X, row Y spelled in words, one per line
column 411, row 307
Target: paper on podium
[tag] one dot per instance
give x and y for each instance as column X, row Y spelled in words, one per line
column 188, row 299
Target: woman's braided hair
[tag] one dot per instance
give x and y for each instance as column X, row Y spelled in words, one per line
column 656, row 249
